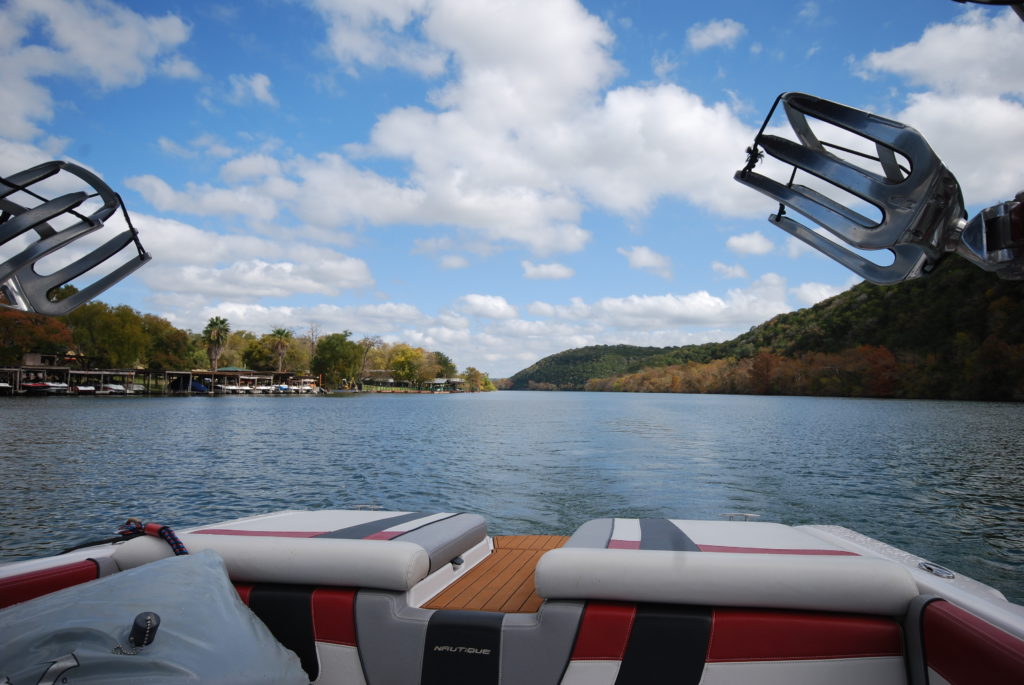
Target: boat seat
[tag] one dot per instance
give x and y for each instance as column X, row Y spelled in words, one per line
column 300, row 572
column 726, row 602
column 355, row 548
column 721, row 564
column 748, row 537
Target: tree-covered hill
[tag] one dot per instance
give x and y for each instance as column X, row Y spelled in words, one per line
column 958, row 316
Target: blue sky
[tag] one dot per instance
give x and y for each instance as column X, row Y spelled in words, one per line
column 495, row 179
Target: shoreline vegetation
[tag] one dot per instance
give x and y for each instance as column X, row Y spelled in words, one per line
column 958, row 334
column 97, row 336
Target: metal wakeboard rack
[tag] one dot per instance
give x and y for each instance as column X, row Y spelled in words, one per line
column 22, row 286
column 923, row 217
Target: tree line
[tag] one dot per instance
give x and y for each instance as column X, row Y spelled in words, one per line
column 957, row 334
column 100, row 336
column 990, row 371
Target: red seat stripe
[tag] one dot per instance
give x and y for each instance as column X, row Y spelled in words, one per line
column 774, row 550
column 604, row 631
column 751, row 635
column 623, row 544
column 385, row 535
column 243, row 591
column 26, row 586
column 334, row 616
column 964, row 649
column 260, row 533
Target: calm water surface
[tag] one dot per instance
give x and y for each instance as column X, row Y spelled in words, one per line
column 944, row 480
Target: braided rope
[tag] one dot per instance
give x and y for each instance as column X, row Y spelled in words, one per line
column 134, row 527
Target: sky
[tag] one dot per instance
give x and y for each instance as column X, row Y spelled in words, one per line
column 498, row 180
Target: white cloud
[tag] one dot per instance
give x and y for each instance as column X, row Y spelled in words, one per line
column 729, row 270
column 646, row 259
column 252, row 87
column 109, row 45
column 487, row 306
column 717, row 33
column 663, row 66
column 370, row 33
column 546, row 271
column 204, row 200
column 972, row 110
column 174, row 149
column 977, row 138
column 454, row 261
column 971, row 67
column 762, row 300
column 191, row 261
column 798, row 248
column 809, row 11
column 212, row 146
column 750, row 244
column 177, row 66
column 812, row 293
column 250, row 167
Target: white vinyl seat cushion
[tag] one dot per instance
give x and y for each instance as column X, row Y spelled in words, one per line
column 383, row 565
column 777, row 581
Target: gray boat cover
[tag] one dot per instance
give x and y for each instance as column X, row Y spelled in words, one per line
column 206, row 634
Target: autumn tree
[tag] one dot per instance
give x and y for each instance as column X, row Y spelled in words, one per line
column 21, row 333
column 407, row 362
column 477, row 381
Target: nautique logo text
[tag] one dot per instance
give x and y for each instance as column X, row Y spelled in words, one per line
column 461, row 650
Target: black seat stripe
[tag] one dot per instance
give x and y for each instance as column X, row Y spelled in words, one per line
column 462, row 647
column 287, row 612
column 663, row 534
column 362, row 530
column 667, row 645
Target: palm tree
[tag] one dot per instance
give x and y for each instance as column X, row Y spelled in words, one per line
column 279, row 340
column 215, row 335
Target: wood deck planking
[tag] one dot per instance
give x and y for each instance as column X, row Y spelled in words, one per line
column 504, row 581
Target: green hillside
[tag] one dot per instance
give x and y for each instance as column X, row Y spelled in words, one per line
column 959, row 316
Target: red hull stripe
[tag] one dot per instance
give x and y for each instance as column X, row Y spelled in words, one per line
column 604, row 631
column 746, row 635
column 334, row 616
column 261, row 533
column 773, row 550
column 623, row 544
column 964, row 649
column 26, row 586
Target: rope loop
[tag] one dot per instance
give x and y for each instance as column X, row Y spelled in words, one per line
column 134, row 527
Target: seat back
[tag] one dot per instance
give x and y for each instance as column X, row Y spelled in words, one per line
column 962, row 649
column 625, row 643
column 21, row 587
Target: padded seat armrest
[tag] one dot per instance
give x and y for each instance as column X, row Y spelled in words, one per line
column 383, row 565
column 777, row 581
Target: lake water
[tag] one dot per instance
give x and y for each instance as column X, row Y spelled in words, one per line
column 944, row 480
